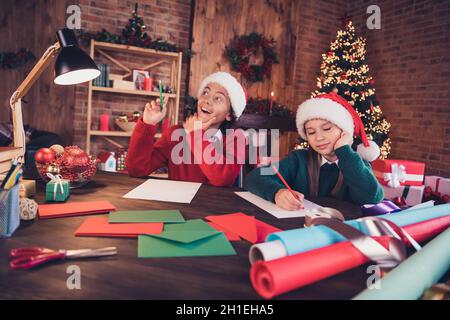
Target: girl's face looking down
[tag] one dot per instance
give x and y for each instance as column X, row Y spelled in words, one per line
column 214, row 102
column 322, row 136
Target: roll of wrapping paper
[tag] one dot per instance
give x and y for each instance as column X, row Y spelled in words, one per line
column 305, row 239
column 416, row 274
column 272, row 278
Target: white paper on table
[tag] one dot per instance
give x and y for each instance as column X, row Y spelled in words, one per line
column 273, row 209
column 165, row 190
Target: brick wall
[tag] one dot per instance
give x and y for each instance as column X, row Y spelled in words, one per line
column 409, row 58
column 166, row 19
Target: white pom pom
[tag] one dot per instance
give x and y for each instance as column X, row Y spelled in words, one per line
column 370, row 153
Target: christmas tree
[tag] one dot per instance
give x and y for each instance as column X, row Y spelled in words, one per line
column 134, row 32
column 343, row 70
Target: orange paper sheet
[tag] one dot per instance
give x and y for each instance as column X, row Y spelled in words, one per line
column 100, row 227
column 68, row 209
column 247, row 227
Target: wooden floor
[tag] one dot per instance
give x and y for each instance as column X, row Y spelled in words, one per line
column 127, row 277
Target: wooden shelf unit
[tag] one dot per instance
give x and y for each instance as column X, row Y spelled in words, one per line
column 104, row 49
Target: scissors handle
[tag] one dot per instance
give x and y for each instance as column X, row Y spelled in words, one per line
column 30, row 261
column 31, row 251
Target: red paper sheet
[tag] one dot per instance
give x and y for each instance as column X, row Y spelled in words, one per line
column 247, row 227
column 100, row 227
column 279, row 276
column 230, row 235
column 58, row 210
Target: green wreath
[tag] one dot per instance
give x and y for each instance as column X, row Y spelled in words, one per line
column 240, row 51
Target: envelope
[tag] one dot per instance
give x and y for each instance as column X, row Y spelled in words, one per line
column 245, row 226
column 69, row 209
column 193, row 238
column 139, row 216
column 99, row 227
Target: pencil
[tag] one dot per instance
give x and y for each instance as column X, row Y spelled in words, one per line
column 285, row 183
column 160, row 95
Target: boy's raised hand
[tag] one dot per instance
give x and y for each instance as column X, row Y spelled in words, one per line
column 285, row 200
column 194, row 122
column 153, row 113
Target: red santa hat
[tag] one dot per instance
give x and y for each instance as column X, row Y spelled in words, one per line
column 235, row 91
column 334, row 108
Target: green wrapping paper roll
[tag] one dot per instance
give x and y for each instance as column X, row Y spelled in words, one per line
column 416, row 274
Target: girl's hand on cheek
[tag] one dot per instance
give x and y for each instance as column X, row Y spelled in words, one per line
column 345, row 139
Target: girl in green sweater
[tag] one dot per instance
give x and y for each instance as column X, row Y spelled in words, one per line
column 330, row 167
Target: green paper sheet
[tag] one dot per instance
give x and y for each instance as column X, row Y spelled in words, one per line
column 168, row 216
column 193, row 238
column 415, row 275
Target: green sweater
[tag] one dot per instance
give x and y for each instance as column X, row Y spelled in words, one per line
column 360, row 185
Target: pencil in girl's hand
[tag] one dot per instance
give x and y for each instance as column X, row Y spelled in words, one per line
column 285, row 183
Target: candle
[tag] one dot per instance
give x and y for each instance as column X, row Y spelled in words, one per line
column 271, row 103
column 104, row 122
column 148, row 84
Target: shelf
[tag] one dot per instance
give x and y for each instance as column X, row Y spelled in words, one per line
column 135, row 92
column 115, row 133
column 133, row 49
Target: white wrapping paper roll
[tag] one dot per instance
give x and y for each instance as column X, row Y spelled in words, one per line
column 267, row 251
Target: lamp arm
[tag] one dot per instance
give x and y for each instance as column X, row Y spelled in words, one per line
column 36, row 72
column 22, row 90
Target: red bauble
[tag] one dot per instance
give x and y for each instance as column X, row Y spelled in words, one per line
column 44, row 155
column 74, row 159
column 330, row 53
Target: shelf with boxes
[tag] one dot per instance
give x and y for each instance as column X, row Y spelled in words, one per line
column 115, row 80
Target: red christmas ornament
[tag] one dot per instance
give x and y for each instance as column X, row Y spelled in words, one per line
column 44, row 155
column 372, row 81
column 343, row 76
column 330, row 53
column 74, row 159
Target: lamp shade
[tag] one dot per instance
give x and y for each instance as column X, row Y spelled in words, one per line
column 73, row 65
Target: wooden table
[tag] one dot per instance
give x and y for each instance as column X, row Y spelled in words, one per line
column 127, row 277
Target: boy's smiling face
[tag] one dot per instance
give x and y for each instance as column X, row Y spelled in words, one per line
column 322, row 136
column 214, row 102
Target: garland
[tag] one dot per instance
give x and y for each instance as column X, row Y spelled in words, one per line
column 262, row 106
column 12, row 60
column 243, row 48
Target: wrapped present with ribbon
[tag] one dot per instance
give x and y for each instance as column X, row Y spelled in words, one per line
column 405, row 195
column 396, row 173
column 437, row 189
column 57, row 189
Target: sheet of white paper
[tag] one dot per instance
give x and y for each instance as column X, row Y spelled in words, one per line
column 273, row 209
column 165, row 190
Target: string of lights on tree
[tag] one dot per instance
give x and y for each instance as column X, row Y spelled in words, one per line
column 344, row 71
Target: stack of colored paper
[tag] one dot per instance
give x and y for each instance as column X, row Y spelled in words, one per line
column 129, row 223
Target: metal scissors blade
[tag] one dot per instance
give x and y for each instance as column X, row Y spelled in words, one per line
column 86, row 253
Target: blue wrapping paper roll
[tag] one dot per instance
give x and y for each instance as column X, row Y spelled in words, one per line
column 305, row 239
column 415, row 275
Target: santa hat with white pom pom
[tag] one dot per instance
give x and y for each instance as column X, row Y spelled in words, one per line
column 334, row 108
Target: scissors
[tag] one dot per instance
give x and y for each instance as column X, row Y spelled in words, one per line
column 26, row 258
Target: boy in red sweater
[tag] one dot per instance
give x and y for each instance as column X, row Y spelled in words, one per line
column 200, row 150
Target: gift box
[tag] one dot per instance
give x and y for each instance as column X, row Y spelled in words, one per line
column 411, row 194
column 57, row 190
column 395, row 173
column 438, row 184
column 27, row 188
column 9, row 211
